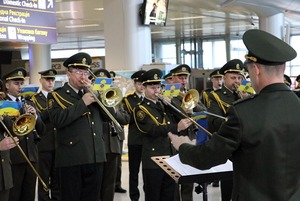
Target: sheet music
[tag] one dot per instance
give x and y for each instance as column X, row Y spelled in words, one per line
column 185, row 170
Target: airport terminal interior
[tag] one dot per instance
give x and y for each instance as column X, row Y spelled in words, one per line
column 203, row 34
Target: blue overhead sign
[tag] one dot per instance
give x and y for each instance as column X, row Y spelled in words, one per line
column 32, row 21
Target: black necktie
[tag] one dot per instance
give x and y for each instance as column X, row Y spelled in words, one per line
column 17, row 100
column 80, row 93
column 160, row 105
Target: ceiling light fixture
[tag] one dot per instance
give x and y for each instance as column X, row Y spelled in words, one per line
column 157, row 32
column 82, row 25
column 187, row 18
column 100, row 9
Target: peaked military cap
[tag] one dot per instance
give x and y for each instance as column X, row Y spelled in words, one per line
column 151, row 77
column 16, row 74
column 102, row 72
column 264, row 48
column 137, row 75
column 112, row 74
column 80, row 60
column 182, row 69
column 298, row 78
column 48, row 73
column 233, row 66
column 215, row 73
column 168, row 76
column 287, row 80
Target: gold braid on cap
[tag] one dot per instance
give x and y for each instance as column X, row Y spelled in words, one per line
column 252, row 58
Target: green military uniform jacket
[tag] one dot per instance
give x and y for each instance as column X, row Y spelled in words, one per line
column 262, row 139
column 79, row 137
column 6, row 181
column 221, row 99
column 155, row 123
column 47, row 142
column 134, row 134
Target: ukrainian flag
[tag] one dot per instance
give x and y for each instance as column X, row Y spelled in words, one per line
column 102, row 84
column 246, row 86
column 10, row 108
column 172, row 90
column 28, row 91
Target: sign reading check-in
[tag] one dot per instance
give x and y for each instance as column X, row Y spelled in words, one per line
column 31, row 21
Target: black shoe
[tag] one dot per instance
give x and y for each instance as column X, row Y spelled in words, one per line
column 120, row 190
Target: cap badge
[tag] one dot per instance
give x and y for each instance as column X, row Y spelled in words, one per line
column 20, row 73
column 155, row 76
column 101, row 74
column 183, row 68
column 238, row 66
column 51, row 72
column 84, row 60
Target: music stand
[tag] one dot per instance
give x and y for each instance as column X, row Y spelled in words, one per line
column 201, row 178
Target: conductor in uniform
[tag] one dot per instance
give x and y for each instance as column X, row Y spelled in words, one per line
column 154, row 119
column 80, row 151
column 24, row 178
column 261, row 136
column 135, row 136
column 46, row 146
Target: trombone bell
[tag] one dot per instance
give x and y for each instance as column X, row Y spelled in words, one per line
column 24, row 124
column 190, row 99
column 111, row 97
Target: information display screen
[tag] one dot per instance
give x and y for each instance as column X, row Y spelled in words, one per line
column 32, row 21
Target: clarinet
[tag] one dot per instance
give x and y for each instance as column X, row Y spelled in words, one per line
column 36, row 136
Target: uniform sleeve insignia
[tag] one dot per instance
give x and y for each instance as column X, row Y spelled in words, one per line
column 140, row 115
column 50, row 103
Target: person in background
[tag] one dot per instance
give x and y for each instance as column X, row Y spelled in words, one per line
column 121, row 137
column 287, row 80
column 112, row 144
column 262, row 145
column 221, row 100
column 135, row 136
column 24, row 178
column 180, row 74
column 168, row 78
column 78, row 119
column 6, row 143
column 46, row 146
column 298, row 82
column 217, row 80
column 154, row 120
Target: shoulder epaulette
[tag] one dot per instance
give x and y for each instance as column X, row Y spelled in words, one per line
column 221, row 103
column 59, row 99
column 129, row 94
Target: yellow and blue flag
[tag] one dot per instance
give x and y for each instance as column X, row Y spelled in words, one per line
column 172, row 90
column 246, row 87
column 29, row 90
column 10, row 108
column 102, row 84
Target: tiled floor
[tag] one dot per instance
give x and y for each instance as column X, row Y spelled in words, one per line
column 213, row 192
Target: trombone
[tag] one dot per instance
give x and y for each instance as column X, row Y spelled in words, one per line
column 24, row 155
column 111, row 98
column 187, row 103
